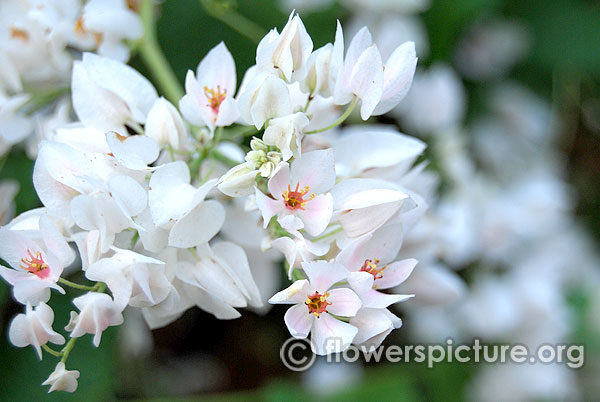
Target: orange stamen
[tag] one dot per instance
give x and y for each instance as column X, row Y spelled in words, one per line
column 35, row 264
column 295, row 199
column 317, row 304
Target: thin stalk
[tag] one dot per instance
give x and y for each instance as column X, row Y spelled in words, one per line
column 67, row 349
column 338, row 121
column 233, row 20
column 76, row 285
column 326, row 235
column 51, row 351
column 154, row 58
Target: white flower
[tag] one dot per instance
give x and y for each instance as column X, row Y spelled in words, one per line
column 98, row 311
column 286, row 134
column 298, row 195
column 106, row 23
column 373, row 253
column 378, row 147
column 364, row 205
column 263, row 96
column 284, row 54
column 209, row 95
column 379, row 86
column 62, row 379
column 180, row 208
column 133, row 278
column 34, row 328
column 165, row 126
column 314, row 302
column 38, row 260
column 108, row 94
column 436, row 102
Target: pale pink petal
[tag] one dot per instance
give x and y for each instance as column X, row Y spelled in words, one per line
column 315, row 169
column 268, row 206
column 299, row 320
column 322, row 274
column 280, row 181
column 396, row 273
column 330, row 335
column 317, row 214
column 344, row 302
column 296, row 293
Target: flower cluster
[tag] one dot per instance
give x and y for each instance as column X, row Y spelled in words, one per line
column 163, row 201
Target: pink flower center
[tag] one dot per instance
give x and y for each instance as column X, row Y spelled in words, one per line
column 35, row 264
column 295, row 199
column 317, row 303
column 370, row 266
column 215, row 97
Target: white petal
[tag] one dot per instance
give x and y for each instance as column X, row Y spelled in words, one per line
column 296, row 293
column 135, row 152
column 330, row 335
column 344, row 302
column 299, row 320
column 322, row 274
column 315, row 169
column 198, row 226
column 396, row 273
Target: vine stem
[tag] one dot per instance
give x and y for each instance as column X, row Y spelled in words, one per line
column 65, row 352
column 154, row 58
column 51, row 351
column 233, row 20
column 77, row 285
column 338, row 121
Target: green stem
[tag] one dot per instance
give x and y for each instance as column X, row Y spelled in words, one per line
column 51, row 351
column 326, row 235
column 338, row 121
column 67, row 349
column 76, row 285
column 218, row 156
column 233, row 19
column 154, row 58
column 345, row 319
column 41, row 99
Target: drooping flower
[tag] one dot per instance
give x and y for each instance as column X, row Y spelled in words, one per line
column 37, row 263
column 62, row 379
column 98, row 311
column 34, row 328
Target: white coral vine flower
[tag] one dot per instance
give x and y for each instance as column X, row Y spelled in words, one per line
column 106, row 23
column 380, row 86
column 37, row 263
column 374, row 254
column 108, row 94
column 62, row 379
column 286, row 53
column 286, row 134
column 314, row 303
column 263, row 96
column 34, row 328
column 165, row 125
column 298, row 195
column 98, row 311
column 209, row 94
column 177, row 206
column 133, row 278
